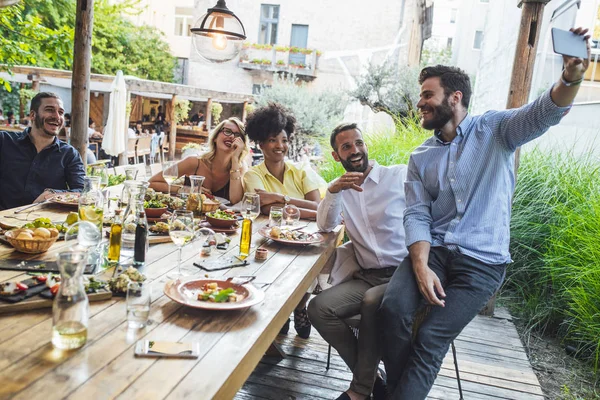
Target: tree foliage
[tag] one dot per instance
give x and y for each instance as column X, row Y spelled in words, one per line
column 389, row 88
column 40, row 33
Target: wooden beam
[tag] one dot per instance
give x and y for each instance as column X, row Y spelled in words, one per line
column 21, row 105
column 244, row 112
column 208, row 114
column 80, row 84
column 173, row 134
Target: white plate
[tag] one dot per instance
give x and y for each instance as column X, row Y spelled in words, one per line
column 222, row 200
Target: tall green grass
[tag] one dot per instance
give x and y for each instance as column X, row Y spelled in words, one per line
column 388, row 147
column 554, row 282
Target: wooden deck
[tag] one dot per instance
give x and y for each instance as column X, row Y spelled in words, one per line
column 491, row 359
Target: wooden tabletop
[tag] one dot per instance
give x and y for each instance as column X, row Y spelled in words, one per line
column 231, row 342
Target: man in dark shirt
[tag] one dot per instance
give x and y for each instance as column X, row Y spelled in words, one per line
column 34, row 163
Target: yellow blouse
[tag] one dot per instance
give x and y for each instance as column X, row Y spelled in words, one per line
column 297, row 182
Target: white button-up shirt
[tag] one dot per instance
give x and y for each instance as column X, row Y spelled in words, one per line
column 373, row 217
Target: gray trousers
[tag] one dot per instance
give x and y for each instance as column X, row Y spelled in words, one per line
column 469, row 283
column 360, row 295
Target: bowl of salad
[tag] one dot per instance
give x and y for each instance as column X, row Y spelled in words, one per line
column 154, row 208
column 221, row 219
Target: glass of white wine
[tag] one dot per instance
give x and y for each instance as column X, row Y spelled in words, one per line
column 181, row 231
column 100, row 170
column 170, row 173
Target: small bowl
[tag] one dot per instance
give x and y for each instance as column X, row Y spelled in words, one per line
column 221, row 223
column 155, row 212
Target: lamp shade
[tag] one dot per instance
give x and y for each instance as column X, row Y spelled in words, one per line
column 218, row 34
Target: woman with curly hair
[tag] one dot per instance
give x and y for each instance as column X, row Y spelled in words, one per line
column 222, row 166
column 279, row 182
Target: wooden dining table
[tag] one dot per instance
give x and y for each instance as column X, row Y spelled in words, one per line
column 231, row 342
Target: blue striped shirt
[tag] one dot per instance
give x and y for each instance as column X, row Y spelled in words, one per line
column 458, row 194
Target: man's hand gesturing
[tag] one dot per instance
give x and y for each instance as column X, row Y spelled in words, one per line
column 350, row 180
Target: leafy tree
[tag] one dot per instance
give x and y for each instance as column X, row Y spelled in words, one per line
column 316, row 112
column 388, row 88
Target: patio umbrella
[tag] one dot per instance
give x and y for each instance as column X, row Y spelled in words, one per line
column 115, row 132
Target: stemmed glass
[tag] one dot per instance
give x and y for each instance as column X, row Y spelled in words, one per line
column 170, row 173
column 181, row 231
column 250, row 206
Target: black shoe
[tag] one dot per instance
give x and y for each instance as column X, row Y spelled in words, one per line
column 379, row 389
column 285, row 328
column 343, row 396
column 302, row 323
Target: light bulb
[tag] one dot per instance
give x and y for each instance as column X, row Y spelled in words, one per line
column 219, row 41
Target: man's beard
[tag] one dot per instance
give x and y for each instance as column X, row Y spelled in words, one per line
column 348, row 166
column 39, row 123
column 440, row 115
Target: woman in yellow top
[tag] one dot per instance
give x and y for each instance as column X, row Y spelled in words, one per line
column 279, row 182
column 222, row 166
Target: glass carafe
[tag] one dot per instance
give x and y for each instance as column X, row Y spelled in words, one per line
column 91, row 201
column 70, row 310
column 194, row 199
column 135, row 206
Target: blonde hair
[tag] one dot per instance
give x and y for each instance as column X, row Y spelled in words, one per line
column 209, row 156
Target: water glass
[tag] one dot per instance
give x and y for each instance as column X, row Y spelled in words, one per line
column 131, row 173
column 139, row 296
column 275, row 216
column 291, row 215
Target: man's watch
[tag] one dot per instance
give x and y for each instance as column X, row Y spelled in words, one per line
column 286, row 198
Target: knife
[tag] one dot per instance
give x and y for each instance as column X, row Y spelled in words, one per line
column 31, row 206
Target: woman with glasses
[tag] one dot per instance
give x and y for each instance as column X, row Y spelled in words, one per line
column 222, row 166
column 279, row 182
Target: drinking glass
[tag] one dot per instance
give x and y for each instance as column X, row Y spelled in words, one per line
column 205, row 237
column 100, row 170
column 170, row 173
column 181, row 231
column 131, row 173
column 251, row 206
column 291, row 215
column 139, row 296
column 275, row 216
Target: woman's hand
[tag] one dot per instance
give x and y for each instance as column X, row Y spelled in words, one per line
column 267, row 198
column 238, row 146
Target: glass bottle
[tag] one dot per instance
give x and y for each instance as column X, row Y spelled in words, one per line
column 135, row 205
column 91, row 201
column 114, row 246
column 141, row 241
column 194, row 199
column 246, row 236
column 70, row 310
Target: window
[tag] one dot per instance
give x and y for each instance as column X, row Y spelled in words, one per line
column 453, row 13
column 449, row 43
column 269, row 19
column 478, row 40
column 183, row 21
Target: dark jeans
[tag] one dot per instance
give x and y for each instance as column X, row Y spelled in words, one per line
column 469, row 283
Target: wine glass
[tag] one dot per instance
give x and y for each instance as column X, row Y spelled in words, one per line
column 250, row 206
column 291, row 215
column 181, row 231
column 170, row 173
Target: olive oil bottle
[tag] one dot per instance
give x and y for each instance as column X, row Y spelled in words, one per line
column 114, row 243
column 246, row 236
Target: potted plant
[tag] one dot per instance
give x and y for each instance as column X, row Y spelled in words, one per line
column 216, row 109
column 182, row 109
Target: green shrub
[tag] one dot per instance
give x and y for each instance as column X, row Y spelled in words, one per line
column 386, row 147
column 554, row 282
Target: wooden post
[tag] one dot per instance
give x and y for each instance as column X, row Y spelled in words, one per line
column 80, row 84
column 208, row 114
column 522, row 73
column 173, row 134
column 244, row 112
column 21, row 105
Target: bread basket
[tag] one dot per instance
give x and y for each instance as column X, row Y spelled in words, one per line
column 32, row 246
column 209, row 205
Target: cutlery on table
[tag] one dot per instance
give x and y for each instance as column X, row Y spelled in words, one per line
column 31, row 206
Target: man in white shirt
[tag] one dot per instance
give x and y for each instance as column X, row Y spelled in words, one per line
column 371, row 199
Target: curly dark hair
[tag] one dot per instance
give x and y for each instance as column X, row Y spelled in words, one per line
column 452, row 79
column 269, row 121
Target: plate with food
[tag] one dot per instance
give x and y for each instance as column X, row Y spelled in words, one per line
column 66, row 199
column 212, row 294
column 291, row 236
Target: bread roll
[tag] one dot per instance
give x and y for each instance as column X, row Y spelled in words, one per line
column 42, row 233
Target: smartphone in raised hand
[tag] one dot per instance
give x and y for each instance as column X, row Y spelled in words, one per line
column 569, row 44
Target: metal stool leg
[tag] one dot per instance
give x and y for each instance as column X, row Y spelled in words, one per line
column 456, row 369
column 328, row 356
